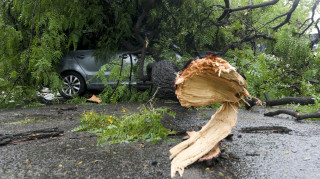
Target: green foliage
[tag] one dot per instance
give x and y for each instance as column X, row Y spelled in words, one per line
column 58, row 26
column 33, row 105
column 121, row 92
column 181, row 26
column 144, row 125
column 310, row 108
column 77, row 100
column 259, row 71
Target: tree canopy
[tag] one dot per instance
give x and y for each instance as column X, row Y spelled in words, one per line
column 267, row 40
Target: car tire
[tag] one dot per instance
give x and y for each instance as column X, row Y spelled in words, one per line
column 163, row 75
column 72, row 84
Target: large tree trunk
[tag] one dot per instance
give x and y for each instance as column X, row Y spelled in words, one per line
column 163, row 76
column 207, row 81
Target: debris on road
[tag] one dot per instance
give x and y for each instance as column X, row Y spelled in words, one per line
column 30, row 135
column 291, row 100
column 94, row 99
column 265, row 129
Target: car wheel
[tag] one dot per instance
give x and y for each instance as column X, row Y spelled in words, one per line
column 72, row 84
column 163, row 76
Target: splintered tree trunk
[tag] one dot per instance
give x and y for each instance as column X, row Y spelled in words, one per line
column 207, row 81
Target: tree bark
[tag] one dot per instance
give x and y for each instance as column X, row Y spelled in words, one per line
column 30, row 135
column 265, row 129
column 290, row 100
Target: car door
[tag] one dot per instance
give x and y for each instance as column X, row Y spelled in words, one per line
column 91, row 65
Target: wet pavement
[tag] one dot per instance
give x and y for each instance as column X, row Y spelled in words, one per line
column 76, row 154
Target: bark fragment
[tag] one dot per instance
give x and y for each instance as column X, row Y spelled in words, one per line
column 30, row 135
column 266, row 129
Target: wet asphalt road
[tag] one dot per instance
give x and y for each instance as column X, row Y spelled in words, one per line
column 76, row 155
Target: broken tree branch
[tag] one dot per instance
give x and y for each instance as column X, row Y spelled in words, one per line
column 118, row 81
column 226, row 10
column 30, row 135
column 269, row 3
column 312, row 17
column 151, row 100
column 23, row 69
column 291, row 100
column 288, row 14
column 297, row 115
column 296, row 73
column 233, row 45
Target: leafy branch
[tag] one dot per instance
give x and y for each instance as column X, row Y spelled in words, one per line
column 9, row 91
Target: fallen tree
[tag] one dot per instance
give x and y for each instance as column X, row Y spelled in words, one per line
column 207, row 81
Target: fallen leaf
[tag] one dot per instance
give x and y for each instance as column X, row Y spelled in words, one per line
column 221, row 174
column 29, row 166
column 94, row 99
